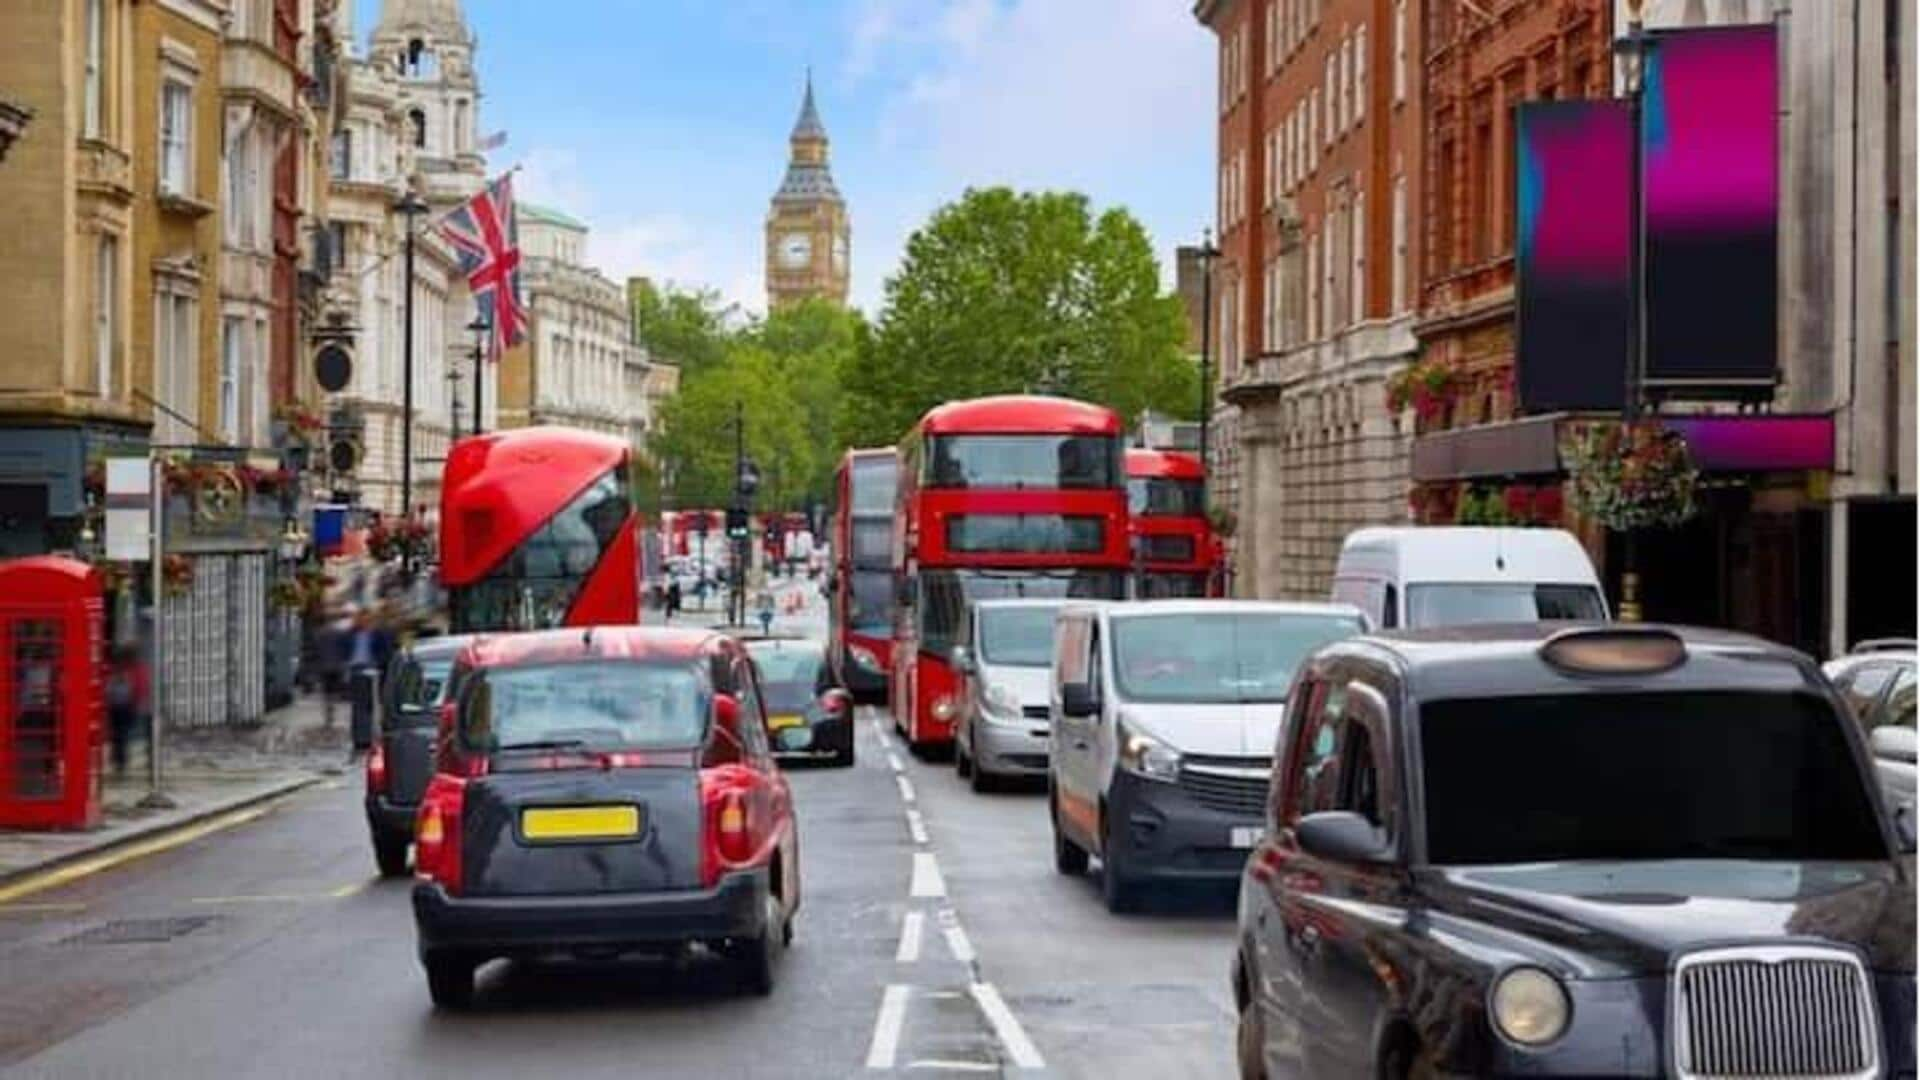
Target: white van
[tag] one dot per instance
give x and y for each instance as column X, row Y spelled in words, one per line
column 1442, row 575
column 1163, row 719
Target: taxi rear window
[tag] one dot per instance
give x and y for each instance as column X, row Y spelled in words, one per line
column 1709, row 775
column 587, row 705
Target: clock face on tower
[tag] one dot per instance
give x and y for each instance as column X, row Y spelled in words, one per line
column 840, row 252
column 796, row 251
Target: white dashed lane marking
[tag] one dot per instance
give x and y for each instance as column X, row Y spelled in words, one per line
column 910, row 927
column 885, row 1046
column 916, row 826
column 1012, row 1036
column 927, row 882
column 906, row 788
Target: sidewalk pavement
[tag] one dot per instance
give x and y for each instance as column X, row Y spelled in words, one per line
column 208, row 773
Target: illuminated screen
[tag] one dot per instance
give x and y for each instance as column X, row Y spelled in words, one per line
column 1710, row 161
column 1574, row 227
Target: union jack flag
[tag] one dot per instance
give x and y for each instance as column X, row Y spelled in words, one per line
column 486, row 240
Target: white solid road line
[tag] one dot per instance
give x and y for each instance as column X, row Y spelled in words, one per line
column 916, row 826
column 957, row 943
column 1013, row 1038
column 886, row 1028
column 909, row 950
column 894, row 763
column 927, row 881
column 906, row 788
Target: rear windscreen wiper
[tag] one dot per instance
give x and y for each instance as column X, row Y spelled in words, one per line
column 544, row 744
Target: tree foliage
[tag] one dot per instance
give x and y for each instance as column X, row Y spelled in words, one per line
column 1022, row 292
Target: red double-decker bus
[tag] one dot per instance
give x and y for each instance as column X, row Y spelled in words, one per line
column 860, row 594
column 1174, row 551
column 537, row 530
column 999, row 497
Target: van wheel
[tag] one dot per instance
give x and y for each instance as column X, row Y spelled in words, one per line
column 983, row 781
column 1069, row 858
column 1250, row 1037
column 390, row 854
column 450, row 980
column 962, row 764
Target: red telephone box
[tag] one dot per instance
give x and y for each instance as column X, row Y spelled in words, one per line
column 52, row 705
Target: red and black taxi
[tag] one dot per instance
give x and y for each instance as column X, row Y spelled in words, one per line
column 603, row 791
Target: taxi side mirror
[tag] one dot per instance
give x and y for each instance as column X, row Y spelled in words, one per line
column 1343, row 836
column 1078, row 699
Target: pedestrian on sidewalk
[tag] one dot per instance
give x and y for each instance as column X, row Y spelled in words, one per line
column 127, row 689
column 673, row 599
column 766, row 611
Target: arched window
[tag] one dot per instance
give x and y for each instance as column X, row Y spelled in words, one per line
column 419, row 119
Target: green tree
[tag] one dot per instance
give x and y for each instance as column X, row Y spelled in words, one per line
column 695, row 440
column 1020, row 292
column 687, row 328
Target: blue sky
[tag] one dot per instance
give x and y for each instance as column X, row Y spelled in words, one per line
column 663, row 123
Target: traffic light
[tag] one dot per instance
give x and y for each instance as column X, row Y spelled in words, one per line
column 737, row 522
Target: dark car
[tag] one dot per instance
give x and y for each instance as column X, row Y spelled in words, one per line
column 1588, row 851
column 806, row 713
column 602, row 792
column 401, row 760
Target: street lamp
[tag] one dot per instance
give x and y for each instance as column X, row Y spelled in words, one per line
column 411, row 207
column 1633, row 50
column 479, row 328
column 453, row 403
column 1206, row 254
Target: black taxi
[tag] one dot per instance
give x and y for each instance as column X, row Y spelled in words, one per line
column 807, row 715
column 599, row 792
column 1575, row 851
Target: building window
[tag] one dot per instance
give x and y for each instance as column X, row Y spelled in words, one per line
column 106, row 311
column 176, row 135
column 255, row 374
column 463, row 140
column 1399, row 244
column 176, row 342
column 1346, row 83
column 1329, row 270
column 340, row 159
column 418, row 119
column 1399, row 51
column 94, row 92
column 1360, row 74
column 1331, row 79
column 232, row 331
column 1313, row 131
column 1313, row 284
column 1359, row 288
column 1481, row 167
column 1442, row 256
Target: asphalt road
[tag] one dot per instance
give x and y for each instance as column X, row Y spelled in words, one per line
column 934, row 937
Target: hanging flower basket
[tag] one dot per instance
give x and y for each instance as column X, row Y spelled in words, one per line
column 267, row 481
column 1631, row 477
column 1428, row 388
column 1223, row 520
column 300, row 424
column 388, row 542
column 176, row 573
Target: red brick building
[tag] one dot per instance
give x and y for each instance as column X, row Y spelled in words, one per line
column 1482, row 60
column 1320, row 180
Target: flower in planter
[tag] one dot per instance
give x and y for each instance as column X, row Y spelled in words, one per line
column 1518, row 499
column 176, row 572
column 1549, row 504
column 1642, row 477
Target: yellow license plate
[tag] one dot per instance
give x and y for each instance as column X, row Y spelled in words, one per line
column 580, row 822
column 778, row 722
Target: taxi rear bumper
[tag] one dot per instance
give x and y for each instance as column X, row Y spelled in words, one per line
column 504, row 925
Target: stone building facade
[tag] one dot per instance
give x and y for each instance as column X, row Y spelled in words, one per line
column 579, row 334
column 1319, row 186
column 808, row 234
column 407, row 126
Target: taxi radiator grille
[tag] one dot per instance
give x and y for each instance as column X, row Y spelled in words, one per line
column 1775, row 1013
column 1227, row 785
column 1034, row 712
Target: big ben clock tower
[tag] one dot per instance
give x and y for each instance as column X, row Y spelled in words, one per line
column 808, row 235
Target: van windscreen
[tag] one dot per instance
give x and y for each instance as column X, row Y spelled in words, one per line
column 1454, row 603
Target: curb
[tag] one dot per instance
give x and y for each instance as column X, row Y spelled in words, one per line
column 160, row 829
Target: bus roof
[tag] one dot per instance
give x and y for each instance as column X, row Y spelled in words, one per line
column 1163, row 465
column 657, row 643
column 1017, row 414
column 872, row 451
column 499, row 487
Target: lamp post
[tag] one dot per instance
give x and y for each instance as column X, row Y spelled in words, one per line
column 453, row 404
column 411, row 207
column 1633, row 50
column 1206, row 254
column 479, row 328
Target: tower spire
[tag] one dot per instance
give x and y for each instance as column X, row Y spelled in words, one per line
column 808, row 126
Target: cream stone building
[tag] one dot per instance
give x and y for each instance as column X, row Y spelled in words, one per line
column 580, row 344
column 407, row 127
column 67, row 194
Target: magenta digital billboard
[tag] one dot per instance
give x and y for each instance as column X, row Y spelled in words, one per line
column 1710, row 151
column 1573, row 220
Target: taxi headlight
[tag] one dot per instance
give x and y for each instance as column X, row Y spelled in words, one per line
column 1143, row 755
column 1530, row 1007
column 943, row 708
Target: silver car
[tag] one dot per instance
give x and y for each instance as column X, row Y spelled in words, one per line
column 1006, row 648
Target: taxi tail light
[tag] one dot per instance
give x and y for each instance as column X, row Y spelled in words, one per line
column 437, row 832
column 377, row 769
column 729, row 830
